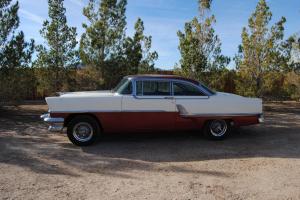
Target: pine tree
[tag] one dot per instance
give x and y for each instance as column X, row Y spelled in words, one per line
column 205, row 4
column 291, row 51
column 14, row 50
column 15, row 55
column 139, row 58
column 102, row 43
column 199, row 46
column 259, row 52
column 59, row 55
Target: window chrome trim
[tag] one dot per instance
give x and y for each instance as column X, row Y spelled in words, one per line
column 171, row 80
column 151, row 97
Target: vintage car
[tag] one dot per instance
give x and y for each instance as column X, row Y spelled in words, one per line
column 142, row 103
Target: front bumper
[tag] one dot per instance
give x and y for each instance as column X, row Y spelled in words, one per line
column 55, row 124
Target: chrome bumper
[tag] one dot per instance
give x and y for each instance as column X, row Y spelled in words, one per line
column 55, row 124
column 261, row 118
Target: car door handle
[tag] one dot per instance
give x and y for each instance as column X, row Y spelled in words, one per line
column 168, row 97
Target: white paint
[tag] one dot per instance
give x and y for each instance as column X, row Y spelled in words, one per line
column 157, row 103
column 85, row 102
column 221, row 103
column 105, row 101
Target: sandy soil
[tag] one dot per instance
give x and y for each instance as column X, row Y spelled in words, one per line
column 258, row 162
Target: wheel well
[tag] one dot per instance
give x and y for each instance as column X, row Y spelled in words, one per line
column 72, row 116
column 229, row 121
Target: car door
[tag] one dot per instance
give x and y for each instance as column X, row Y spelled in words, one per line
column 190, row 101
column 151, row 107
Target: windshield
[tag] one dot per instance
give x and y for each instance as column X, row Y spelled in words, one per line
column 124, row 87
column 208, row 90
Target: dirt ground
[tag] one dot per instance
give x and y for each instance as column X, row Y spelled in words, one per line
column 256, row 162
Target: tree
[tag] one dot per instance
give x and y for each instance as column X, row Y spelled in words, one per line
column 59, row 55
column 291, row 51
column 200, row 47
column 205, row 4
column 259, row 52
column 15, row 53
column 139, row 58
column 102, row 43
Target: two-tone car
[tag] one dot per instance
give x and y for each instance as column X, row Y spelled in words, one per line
column 150, row 103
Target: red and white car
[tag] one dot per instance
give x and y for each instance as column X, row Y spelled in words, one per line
column 150, row 103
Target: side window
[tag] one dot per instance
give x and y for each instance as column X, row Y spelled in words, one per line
column 153, row 88
column 126, row 88
column 184, row 89
column 139, row 88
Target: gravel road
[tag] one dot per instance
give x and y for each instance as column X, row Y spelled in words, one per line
column 256, row 162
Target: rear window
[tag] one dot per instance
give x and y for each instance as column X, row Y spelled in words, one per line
column 184, row 89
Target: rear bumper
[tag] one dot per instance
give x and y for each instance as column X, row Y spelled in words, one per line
column 55, row 124
column 261, row 118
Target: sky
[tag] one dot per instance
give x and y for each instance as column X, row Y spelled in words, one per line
column 163, row 18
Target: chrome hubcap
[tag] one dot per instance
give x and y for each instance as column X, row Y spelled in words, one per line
column 218, row 128
column 83, row 131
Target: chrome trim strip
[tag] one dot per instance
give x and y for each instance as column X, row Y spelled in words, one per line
column 173, row 97
column 149, row 111
column 220, row 114
column 85, row 111
column 150, row 97
column 108, row 111
column 183, row 115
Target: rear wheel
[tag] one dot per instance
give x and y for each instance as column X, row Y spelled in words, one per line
column 83, row 130
column 217, row 129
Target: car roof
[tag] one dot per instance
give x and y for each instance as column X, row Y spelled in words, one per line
column 162, row 76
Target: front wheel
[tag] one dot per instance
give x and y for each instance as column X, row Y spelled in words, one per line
column 83, row 130
column 216, row 129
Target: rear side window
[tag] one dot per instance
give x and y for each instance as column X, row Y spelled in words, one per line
column 153, row 88
column 184, row 89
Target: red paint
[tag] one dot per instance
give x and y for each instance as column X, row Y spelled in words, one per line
column 159, row 121
column 146, row 121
